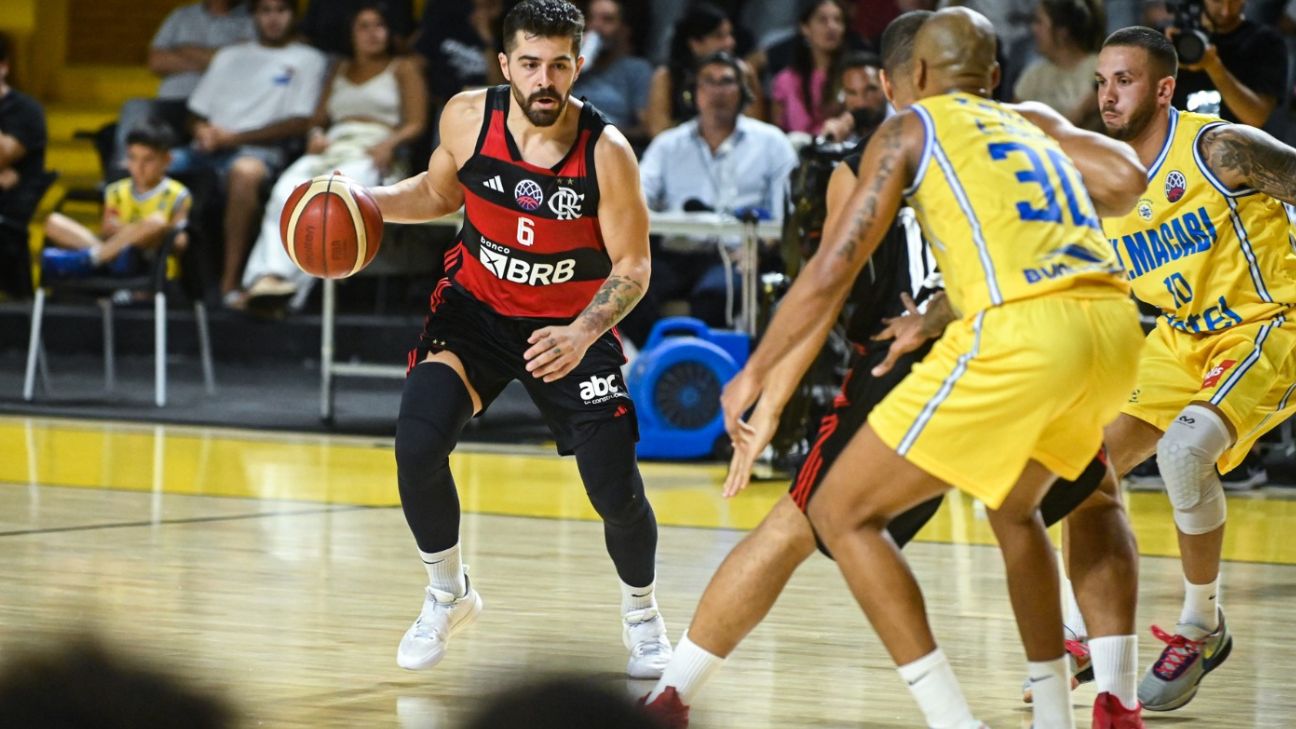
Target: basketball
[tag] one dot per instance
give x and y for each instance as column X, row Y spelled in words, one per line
column 331, row 228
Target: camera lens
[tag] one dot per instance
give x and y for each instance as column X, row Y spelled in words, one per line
column 1191, row 46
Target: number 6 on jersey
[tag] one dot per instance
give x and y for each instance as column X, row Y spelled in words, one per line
column 526, row 231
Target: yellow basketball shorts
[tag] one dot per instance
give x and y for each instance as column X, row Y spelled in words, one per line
column 1248, row 371
column 1033, row 379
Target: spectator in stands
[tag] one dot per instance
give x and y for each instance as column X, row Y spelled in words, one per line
column 326, row 24
column 723, row 161
column 137, row 213
column 861, row 96
column 254, row 98
column 180, row 53
column 614, row 80
column 375, row 103
column 461, row 42
column 1068, row 36
column 804, row 95
column 1243, row 74
column 700, row 32
column 23, row 137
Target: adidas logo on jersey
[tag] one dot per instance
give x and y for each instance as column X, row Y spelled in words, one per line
column 494, row 183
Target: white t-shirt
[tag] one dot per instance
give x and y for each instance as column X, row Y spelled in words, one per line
column 1061, row 88
column 250, row 86
column 192, row 25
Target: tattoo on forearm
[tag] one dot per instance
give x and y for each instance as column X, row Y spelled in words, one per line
column 1263, row 162
column 614, row 299
column 940, row 312
column 890, row 142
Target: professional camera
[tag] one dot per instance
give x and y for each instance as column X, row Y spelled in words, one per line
column 1190, row 40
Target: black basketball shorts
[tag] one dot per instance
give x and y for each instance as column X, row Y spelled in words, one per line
column 491, row 346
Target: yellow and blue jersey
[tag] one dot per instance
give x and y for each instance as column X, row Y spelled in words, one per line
column 168, row 198
column 1208, row 257
column 1005, row 210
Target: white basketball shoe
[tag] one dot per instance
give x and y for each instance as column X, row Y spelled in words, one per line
column 443, row 615
column 644, row 634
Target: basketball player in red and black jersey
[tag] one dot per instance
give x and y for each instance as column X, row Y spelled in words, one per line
column 553, row 252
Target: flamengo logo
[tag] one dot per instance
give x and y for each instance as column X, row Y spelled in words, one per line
column 566, row 203
column 599, row 389
column 1217, row 372
column 532, row 274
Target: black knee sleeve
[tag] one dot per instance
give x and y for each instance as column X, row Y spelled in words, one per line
column 612, row 481
column 435, row 406
column 1064, row 496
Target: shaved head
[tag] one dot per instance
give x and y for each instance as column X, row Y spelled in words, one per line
column 955, row 51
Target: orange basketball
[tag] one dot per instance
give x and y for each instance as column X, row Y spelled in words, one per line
column 331, row 228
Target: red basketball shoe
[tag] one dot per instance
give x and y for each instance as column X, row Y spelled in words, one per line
column 1110, row 713
column 667, row 709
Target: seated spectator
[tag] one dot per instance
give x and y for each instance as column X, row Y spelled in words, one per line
column 374, row 104
column 700, row 32
column 179, row 53
column 614, row 80
column 804, row 95
column 861, row 96
column 138, row 211
column 253, row 99
column 23, row 138
column 327, row 24
column 1243, row 74
column 722, row 160
column 1068, row 36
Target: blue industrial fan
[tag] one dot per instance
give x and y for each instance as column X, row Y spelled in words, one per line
column 676, row 382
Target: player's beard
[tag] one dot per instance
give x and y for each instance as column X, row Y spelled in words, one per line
column 541, row 117
column 1138, row 120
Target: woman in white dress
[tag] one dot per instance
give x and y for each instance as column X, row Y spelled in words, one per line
column 373, row 103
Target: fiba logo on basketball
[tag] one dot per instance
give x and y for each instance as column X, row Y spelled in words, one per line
column 528, row 194
column 1176, row 186
column 566, row 203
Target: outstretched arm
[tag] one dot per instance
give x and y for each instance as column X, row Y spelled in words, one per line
column 1111, row 169
column 435, row 192
column 1242, row 156
column 808, row 311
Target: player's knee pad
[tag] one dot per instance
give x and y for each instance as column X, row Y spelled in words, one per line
column 611, row 475
column 1186, row 456
column 435, row 406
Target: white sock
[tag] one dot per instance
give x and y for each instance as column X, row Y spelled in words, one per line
column 688, row 671
column 96, row 253
column 1201, row 605
column 1115, row 666
column 1051, row 686
column 445, row 571
column 637, row 598
column 1071, row 615
column 933, row 685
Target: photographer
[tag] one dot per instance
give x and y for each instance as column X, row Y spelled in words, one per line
column 1241, row 75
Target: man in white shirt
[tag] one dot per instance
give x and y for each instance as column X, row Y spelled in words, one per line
column 252, row 99
column 720, row 160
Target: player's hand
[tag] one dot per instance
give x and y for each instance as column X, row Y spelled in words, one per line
column 737, row 397
column 555, row 351
column 905, row 331
column 753, row 436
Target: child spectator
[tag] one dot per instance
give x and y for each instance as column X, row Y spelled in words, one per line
column 137, row 213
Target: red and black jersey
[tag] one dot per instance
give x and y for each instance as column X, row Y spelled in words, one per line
column 530, row 244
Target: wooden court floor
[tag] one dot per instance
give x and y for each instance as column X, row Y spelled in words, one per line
column 277, row 570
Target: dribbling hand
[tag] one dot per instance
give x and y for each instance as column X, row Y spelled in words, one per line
column 555, row 351
column 753, row 436
column 736, row 399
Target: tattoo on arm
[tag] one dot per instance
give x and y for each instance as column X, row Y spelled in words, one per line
column 614, row 299
column 940, row 312
column 1253, row 158
column 889, row 162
